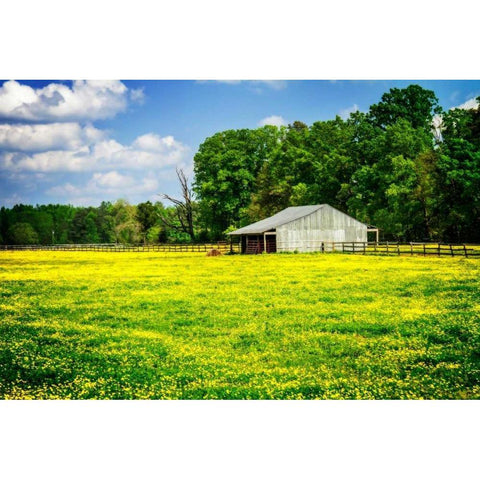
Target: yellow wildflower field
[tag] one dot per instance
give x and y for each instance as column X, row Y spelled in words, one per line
column 282, row 326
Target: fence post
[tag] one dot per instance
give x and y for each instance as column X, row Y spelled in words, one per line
column 465, row 250
column 424, row 250
column 438, row 249
column 387, row 248
column 411, row 248
column 451, row 250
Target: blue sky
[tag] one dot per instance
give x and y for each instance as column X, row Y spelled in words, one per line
column 86, row 141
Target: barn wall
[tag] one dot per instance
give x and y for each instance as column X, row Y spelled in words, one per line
column 325, row 225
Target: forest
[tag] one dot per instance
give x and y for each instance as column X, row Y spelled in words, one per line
column 405, row 166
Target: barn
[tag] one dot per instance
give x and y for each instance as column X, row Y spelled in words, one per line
column 308, row 228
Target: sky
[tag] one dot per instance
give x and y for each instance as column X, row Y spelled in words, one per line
column 82, row 142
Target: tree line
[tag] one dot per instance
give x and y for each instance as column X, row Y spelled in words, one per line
column 117, row 222
column 404, row 166
column 389, row 167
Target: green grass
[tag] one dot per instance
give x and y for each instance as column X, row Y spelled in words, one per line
column 153, row 325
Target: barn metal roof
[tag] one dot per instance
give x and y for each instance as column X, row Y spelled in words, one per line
column 281, row 218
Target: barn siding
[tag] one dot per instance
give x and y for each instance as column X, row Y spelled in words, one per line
column 324, row 225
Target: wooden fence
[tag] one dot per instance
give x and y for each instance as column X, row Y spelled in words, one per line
column 412, row 248
column 223, row 247
column 384, row 248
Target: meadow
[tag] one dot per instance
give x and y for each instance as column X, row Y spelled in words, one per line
column 90, row 325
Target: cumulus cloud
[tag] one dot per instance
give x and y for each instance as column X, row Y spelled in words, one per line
column 44, row 137
column 48, row 143
column 154, row 143
column 85, row 100
column 112, row 179
column 275, row 120
column 147, row 151
column 470, row 104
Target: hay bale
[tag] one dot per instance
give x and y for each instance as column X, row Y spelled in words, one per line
column 214, row 253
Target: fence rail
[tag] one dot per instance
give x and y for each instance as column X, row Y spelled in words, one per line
column 412, row 248
column 384, row 248
column 223, row 247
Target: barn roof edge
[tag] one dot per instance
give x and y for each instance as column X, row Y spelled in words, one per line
column 286, row 215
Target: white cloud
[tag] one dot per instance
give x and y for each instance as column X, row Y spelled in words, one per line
column 147, row 151
column 345, row 113
column 154, row 143
column 109, row 185
column 112, row 179
column 85, row 100
column 276, row 120
column 469, row 104
column 43, row 137
column 46, row 144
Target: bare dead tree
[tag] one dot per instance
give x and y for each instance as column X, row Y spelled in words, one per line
column 183, row 208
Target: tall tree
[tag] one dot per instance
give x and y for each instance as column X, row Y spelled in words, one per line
column 105, row 223
column 83, row 228
column 22, row 234
column 415, row 104
column 387, row 192
column 288, row 163
column 146, row 216
column 226, row 167
column 126, row 226
column 458, row 175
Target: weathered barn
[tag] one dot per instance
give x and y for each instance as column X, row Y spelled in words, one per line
column 308, row 228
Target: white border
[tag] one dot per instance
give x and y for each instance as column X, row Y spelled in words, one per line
column 231, row 40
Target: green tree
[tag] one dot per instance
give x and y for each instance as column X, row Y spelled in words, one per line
column 309, row 166
column 83, row 228
column 287, row 164
column 415, row 104
column 126, row 227
column 22, row 234
column 156, row 234
column 146, row 215
column 226, row 167
column 389, row 193
column 458, row 175
column 105, row 223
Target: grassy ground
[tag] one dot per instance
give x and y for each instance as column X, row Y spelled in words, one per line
column 153, row 325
